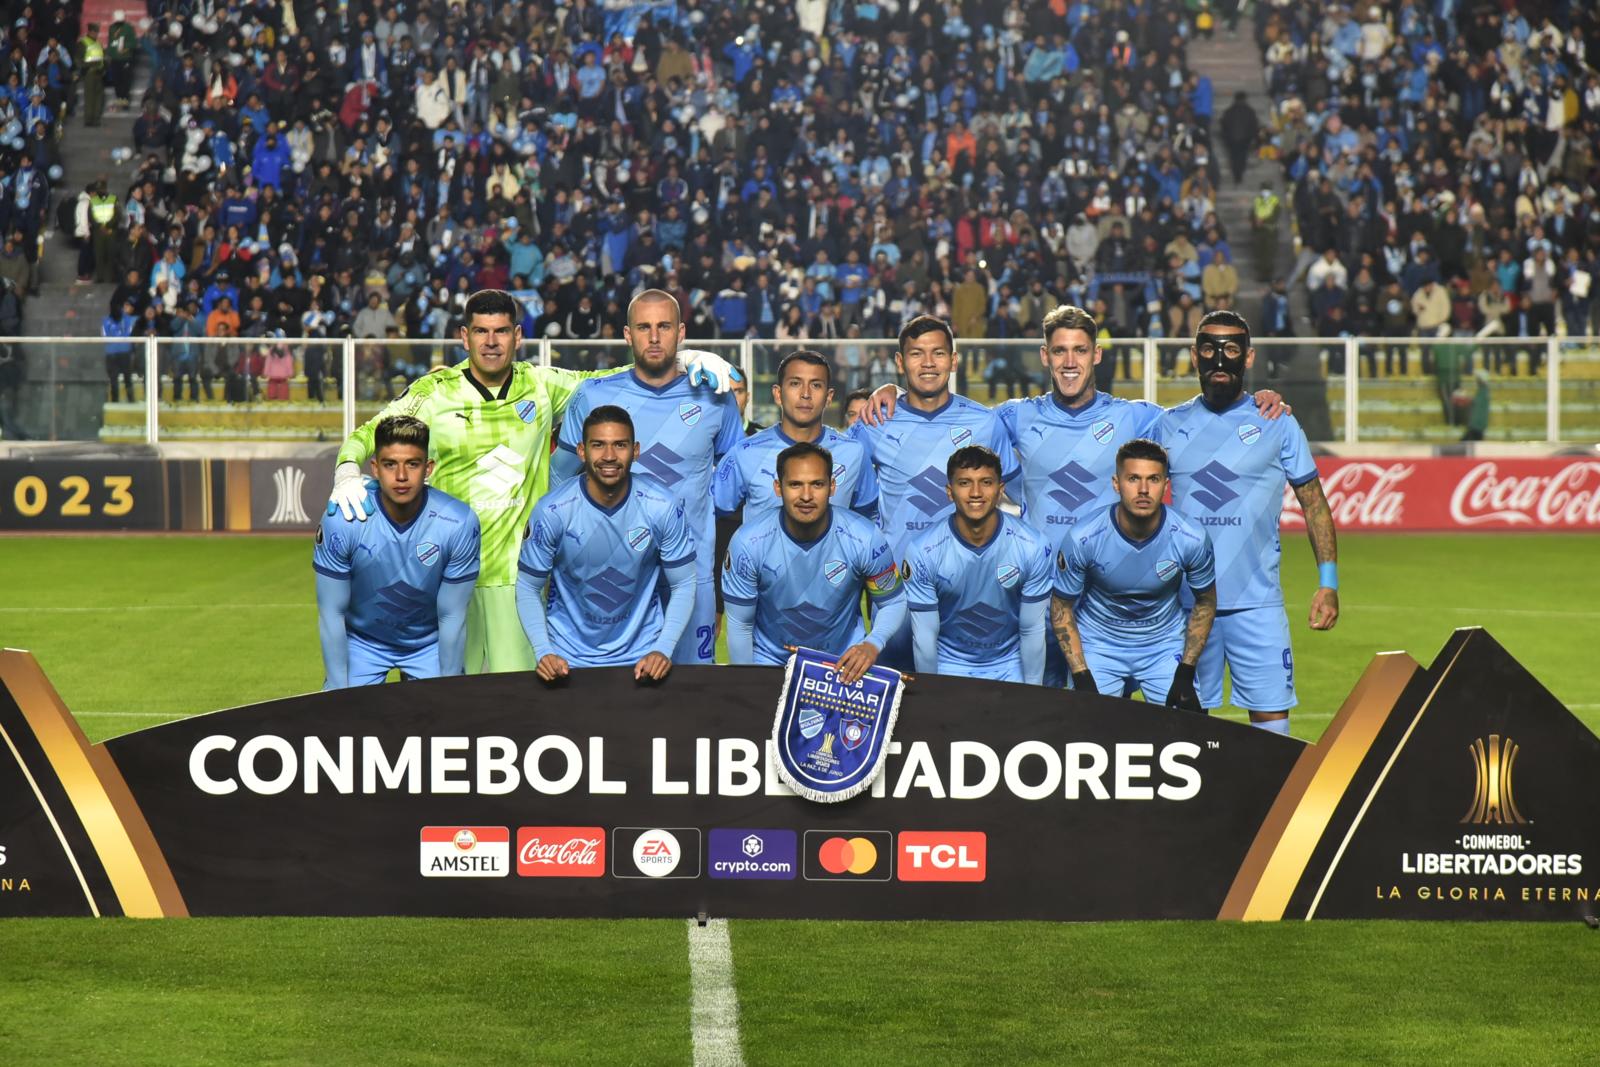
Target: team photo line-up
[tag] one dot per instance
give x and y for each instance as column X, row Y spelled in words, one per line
column 1029, row 542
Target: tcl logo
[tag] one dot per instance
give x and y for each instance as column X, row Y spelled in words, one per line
column 561, row 852
column 943, row 856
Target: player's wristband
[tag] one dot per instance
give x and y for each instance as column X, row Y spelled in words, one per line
column 1328, row 575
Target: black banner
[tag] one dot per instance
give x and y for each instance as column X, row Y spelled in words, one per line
column 87, row 494
column 1460, row 791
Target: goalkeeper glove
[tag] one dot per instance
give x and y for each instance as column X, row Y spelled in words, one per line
column 1181, row 693
column 1083, row 682
column 352, row 493
column 708, row 369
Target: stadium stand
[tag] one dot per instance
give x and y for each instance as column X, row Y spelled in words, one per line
column 807, row 170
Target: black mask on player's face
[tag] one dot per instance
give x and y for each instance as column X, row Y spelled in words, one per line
column 1220, row 360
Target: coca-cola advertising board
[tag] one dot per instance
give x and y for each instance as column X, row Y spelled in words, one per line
column 1453, row 493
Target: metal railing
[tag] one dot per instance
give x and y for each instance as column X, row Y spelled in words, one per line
column 1344, row 389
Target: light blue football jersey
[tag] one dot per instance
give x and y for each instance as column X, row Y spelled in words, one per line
column 1068, row 456
column 910, row 452
column 395, row 571
column 682, row 431
column 1228, row 473
column 1127, row 591
column 745, row 475
column 604, row 566
column 977, row 592
column 809, row 593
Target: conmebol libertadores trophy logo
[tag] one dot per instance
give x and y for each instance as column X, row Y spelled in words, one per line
column 1492, row 799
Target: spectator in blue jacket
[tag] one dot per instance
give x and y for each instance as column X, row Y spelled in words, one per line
column 119, row 348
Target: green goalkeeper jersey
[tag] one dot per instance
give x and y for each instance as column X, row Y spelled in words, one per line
column 491, row 449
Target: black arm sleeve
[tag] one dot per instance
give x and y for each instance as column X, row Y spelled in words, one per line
column 726, row 525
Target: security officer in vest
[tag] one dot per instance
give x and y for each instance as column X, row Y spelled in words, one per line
column 1266, row 210
column 92, row 72
column 103, row 224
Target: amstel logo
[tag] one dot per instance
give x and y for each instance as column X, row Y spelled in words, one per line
column 1492, row 799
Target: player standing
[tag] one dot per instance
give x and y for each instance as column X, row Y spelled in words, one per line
column 978, row 583
column 1117, row 613
column 682, row 433
column 491, row 419
column 911, row 448
column 1229, row 466
column 795, row 575
column 606, row 539
column 393, row 594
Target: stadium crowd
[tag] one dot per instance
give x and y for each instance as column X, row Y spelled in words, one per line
column 789, row 170
column 1442, row 167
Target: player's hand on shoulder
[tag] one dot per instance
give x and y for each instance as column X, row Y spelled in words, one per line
column 855, row 662
column 1270, row 405
column 552, row 668
column 652, row 668
column 1324, row 608
column 708, row 369
column 352, row 492
column 881, row 405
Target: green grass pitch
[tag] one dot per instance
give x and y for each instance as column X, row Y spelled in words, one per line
column 134, row 631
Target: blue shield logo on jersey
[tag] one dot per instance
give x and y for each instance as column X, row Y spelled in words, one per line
column 838, row 471
column 1008, row 575
column 1211, row 486
column 834, row 570
column 1075, row 487
column 960, row 435
column 427, row 552
column 662, row 464
column 1102, row 430
column 810, row 722
column 527, row 409
column 926, row 492
column 689, row 413
column 638, row 538
column 1249, row 434
column 1166, row 568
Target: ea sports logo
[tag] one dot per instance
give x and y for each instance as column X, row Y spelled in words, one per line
column 656, row 853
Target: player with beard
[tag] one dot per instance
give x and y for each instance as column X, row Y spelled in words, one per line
column 1228, row 469
column 607, row 540
column 682, row 430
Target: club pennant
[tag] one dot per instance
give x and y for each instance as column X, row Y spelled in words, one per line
column 831, row 738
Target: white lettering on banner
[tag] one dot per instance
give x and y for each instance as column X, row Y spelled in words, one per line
column 492, row 765
column 1359, row 495
column 1565, row 498
column 576, row 851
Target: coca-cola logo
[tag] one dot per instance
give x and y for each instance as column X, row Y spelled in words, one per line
column 1567, row 497
column 1362, row 494
column 561, row 851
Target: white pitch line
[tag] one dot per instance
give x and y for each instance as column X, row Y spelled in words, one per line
column 172, row 716
column 714, row 1011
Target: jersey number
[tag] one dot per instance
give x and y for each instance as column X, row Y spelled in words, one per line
column 708, row 639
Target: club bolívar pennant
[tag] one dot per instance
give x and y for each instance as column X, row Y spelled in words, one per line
column 831, row 738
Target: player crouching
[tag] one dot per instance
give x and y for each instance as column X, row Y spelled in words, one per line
column 1119, row 576
column 394, row 594
column 606, row 540
column 978, row 582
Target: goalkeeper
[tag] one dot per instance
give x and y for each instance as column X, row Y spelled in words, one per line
column 490, row 420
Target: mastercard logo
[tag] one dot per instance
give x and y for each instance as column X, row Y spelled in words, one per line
column 849, row 855
column 855, row 855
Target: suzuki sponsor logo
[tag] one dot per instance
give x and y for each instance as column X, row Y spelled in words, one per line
column 943, row 856
column 1211, row 486
column 561, row 851
column 1568, row 497
column 849, row 855
column 466, row 851
column 662, row 464
column 1359, row 494
column 500, row 472
column 655, row 852
column 765, row 854
column 1075, row 486
column 926, row 492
